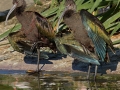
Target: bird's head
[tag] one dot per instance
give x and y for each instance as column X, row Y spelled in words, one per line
column 19, row 5
column 70, row 5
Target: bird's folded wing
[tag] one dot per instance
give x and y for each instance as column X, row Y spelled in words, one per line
column 76, row 52
column 44, row 26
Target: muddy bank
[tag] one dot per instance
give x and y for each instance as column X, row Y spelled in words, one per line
column 12, row 60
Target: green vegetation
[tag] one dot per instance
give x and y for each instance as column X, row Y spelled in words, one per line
column 5, row 87
column 106, row 10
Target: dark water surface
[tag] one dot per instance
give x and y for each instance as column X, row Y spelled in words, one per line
column 58, row 81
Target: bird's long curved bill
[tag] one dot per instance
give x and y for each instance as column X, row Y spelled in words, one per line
column 11, row 10
column 60, row 19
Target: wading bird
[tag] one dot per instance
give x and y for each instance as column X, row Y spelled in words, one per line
column 36, row 30
column 87, row 30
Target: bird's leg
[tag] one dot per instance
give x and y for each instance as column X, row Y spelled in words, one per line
column 35, row 45
column 96, row 67
column 102, row 70
column 38, row 61
column 86, row 52
column 107, row 57
column 88, row 76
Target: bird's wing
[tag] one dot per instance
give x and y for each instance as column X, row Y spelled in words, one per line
column 44, row 26
column 60, row 46
column 97, row 33
column 76, row 52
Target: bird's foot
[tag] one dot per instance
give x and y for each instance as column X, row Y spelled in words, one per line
column 30, row 72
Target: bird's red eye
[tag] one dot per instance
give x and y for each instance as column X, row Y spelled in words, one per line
column 17, row 1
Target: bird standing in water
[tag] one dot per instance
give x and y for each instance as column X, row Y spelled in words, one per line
column 36, row 30
column 87, row 30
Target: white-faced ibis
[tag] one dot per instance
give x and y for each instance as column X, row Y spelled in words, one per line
column 87, row 30
column 35, row 28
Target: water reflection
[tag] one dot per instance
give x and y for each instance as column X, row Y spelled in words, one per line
column 58, row 81
column 77, row 81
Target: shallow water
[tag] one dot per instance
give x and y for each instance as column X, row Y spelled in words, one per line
column 58, row 81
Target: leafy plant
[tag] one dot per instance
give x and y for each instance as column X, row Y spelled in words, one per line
column 108, row 18
column 14, row 29
column 38, row 2
column 106, row 10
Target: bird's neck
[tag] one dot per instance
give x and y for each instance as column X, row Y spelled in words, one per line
column 68, row 13
column 20, row 10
